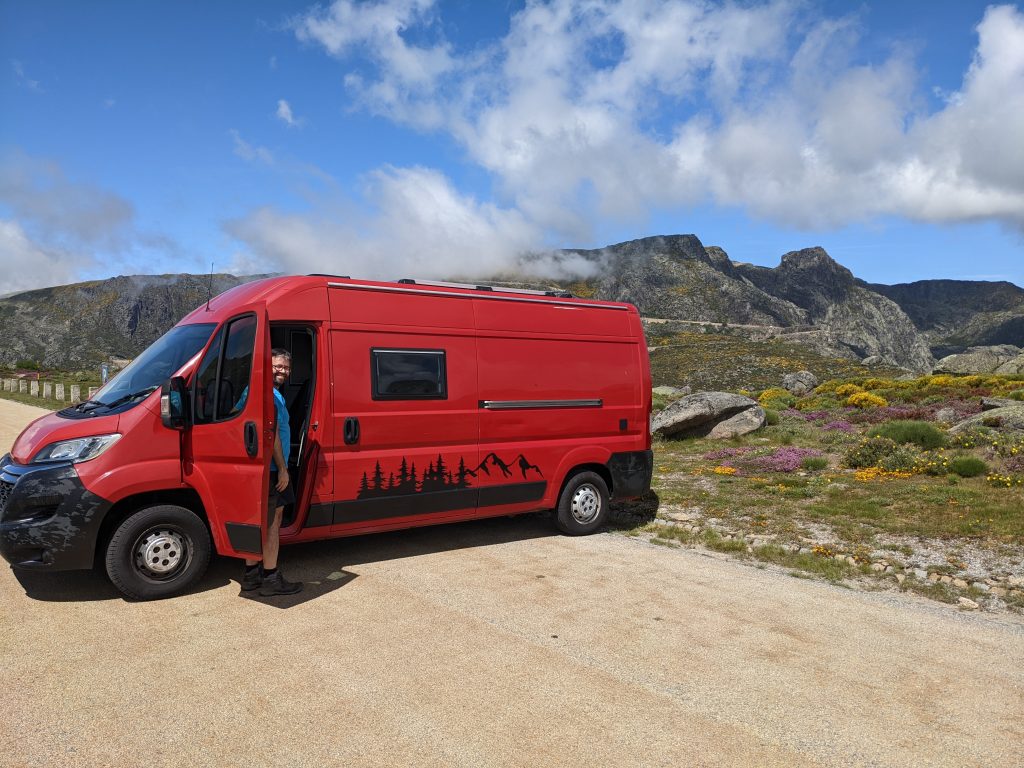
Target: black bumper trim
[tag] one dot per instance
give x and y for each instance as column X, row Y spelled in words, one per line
column 631, row 473
column 48, row 521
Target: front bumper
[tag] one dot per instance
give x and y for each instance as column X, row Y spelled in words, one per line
column 48, row 520
column 631, row 473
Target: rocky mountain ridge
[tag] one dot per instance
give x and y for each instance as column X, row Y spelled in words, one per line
column 809, row 299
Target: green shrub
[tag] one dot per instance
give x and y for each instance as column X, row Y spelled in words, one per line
column 771, row 418
column 901, row 460
column 816, row 403
column 920, row 433
column 968, row 466
column 1017, row 394
column 869, row 452
column 814, row 463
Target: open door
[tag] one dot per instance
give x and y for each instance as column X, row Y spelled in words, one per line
column 226, row 453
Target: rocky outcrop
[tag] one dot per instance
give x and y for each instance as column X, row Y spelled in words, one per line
column 860, row 322
column 711, row 414
column 675, row 277
column 1004, row 358
column 799, row 383
column 1009, row 419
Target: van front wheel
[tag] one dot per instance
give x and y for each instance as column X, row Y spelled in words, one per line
column 583, row 505
column 157, row 552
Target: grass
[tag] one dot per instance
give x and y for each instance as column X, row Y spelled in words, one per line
column 39, row 402
column 880, row 511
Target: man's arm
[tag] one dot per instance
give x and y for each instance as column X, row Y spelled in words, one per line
column 282, row 467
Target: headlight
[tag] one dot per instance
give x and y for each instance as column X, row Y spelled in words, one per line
column 77, row 450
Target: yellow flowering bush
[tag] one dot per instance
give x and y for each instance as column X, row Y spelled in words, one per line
column 848, row 389
column 878, row 384
column 774, row 393
column 866, row 400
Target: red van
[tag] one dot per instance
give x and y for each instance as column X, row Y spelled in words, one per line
column 410, row 404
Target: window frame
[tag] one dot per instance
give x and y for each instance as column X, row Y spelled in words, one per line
column 376, row 352
column 221, row 336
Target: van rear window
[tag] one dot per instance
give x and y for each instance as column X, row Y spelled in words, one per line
column 408, row 374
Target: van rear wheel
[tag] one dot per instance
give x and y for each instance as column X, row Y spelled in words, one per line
column 583, row 505
column 158, row 552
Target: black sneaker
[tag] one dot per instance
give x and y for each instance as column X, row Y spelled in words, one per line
column 252, row 578
column 276, row 585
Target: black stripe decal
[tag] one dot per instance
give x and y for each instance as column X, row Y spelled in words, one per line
column 496, row 495
column 319, row 514
column 245, row 537
column 435, row 502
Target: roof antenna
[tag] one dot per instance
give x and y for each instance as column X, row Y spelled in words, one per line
column 209, row 290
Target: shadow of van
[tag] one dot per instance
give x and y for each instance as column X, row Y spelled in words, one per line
column 320, row 565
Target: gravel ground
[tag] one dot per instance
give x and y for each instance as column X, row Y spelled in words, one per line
column 497, row 643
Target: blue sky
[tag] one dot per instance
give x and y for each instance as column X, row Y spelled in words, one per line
column 436, row 139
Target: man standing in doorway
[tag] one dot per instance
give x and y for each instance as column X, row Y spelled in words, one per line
column 265, row 576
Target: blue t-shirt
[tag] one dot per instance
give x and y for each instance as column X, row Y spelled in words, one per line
column 284, row 429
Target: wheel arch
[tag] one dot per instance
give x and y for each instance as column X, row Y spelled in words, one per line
column 128, row 506
column 600, row 470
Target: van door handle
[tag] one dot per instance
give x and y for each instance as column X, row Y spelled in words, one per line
column 252, row 443
column 351, row 430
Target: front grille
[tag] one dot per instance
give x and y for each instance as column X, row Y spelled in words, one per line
column 5, row 493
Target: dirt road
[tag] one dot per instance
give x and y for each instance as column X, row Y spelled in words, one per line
column 499, row 643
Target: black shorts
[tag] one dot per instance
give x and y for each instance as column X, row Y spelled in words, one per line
column 275, row 499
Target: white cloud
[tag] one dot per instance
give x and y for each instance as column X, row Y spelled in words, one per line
column 284, row 113
column 250, row 152
column 589, row 109
column 28, row 265
column 61, row 211
column 417, row 225
column 54, row 229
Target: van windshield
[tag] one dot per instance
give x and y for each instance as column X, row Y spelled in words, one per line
column 161, row 360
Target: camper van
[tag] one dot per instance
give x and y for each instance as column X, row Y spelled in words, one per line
column 409, row 403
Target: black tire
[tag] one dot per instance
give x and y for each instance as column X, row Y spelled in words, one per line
column 158, row 552
column 583, row 506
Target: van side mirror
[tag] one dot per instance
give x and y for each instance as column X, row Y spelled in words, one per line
column 173, row 399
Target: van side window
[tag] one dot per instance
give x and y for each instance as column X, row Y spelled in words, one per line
column 408, row 374
column 222, row 384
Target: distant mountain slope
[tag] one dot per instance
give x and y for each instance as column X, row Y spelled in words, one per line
column 954, row 314
column 81, row 325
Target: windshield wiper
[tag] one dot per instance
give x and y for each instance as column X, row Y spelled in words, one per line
column 129, row 397
column 94, row 403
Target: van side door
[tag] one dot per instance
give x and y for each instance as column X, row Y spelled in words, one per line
column 405, row 419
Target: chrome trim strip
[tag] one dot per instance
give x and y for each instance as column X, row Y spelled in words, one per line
column 481, row 295
column 509, row 405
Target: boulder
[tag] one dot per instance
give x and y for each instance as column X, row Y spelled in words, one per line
column 700, row 413
column 750, row 420
column 871, row 360
column 991, row 403
column 1010, row 418
column 1012, row 367
column 978, row 359
column 799, row 383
